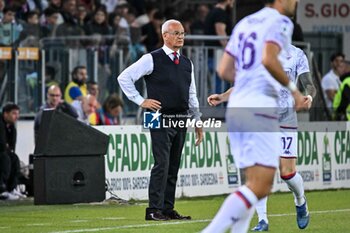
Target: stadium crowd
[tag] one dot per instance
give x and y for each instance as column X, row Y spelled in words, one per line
column 26, row 22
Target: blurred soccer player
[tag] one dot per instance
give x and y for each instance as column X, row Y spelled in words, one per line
column 296, row 66
column 251, row 61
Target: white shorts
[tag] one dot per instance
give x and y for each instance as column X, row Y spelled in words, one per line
column 289, row 143
column 251, row 148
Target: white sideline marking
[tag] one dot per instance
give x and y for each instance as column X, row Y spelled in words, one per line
column 113, row 218
column 39, row 224
column 79, row 220
column 131, row 226
column 182, row 222
column 312, row 212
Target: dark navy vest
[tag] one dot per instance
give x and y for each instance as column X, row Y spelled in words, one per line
column 169, row 83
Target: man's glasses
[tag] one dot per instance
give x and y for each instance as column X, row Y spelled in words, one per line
column 53, row 95
column 176, row 33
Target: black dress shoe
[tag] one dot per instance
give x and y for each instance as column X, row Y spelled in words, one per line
column 155, row 215
column 174, row 215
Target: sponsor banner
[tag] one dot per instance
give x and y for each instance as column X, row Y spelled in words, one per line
column 28, row 53
column 5, row 53
column 326, row 16
column 208, row 169
column 323, row 161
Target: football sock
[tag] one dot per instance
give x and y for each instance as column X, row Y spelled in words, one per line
column 261, row 209
column 234, row 209
column 243, row 224
column 295, row 184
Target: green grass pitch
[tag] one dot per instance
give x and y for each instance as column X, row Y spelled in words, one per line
column 330, row 213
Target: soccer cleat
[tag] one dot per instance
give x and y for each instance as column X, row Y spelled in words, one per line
column 262, row 226
column 303, row 216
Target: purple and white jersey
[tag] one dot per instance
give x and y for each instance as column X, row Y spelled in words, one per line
column 294, row 63
column 254, row 86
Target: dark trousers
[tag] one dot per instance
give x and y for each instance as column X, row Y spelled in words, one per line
column 9, row 170
column 167, row 146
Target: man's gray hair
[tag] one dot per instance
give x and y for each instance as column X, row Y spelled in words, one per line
column 166, row 24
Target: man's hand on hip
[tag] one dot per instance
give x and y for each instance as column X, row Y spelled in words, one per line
column 152, row 104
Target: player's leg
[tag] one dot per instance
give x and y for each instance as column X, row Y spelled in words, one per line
column 236, row 209
column 242, row 226
column 253, row 152
column 261, row 210
column 292, row 178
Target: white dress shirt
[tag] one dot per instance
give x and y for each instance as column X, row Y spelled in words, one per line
column 144, row 66
column 330, row 81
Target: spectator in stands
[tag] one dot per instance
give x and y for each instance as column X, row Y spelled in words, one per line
column 21, row 8
column 151, row 32
column 50, row 23
column 94, row 90
column 56, row 5
column 121, row 34
column 99, row 23
column 85, row 107
column 9, row 28
column 138, row 5
column 111, row 4
column 218, row 23
column 68, row 11
column 50, row 73
column 54, row 101
column 122, row 9
column 109, row 113
column 77, row 88
column 331, row 82
column 82, row 15
column 198, row 26
column 341, row 103
column 38, row 5
column 2, row 6
column 136, row 48
column 32, row 31
column 298, row 34
column 144, row 19
column 70, row 27
column 9, row 161
column 100, row 29
column 187, row 19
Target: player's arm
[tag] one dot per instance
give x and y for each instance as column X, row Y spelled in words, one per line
column 226, row 68
column 215, row 99
column 272, row 64
column 305, row 80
